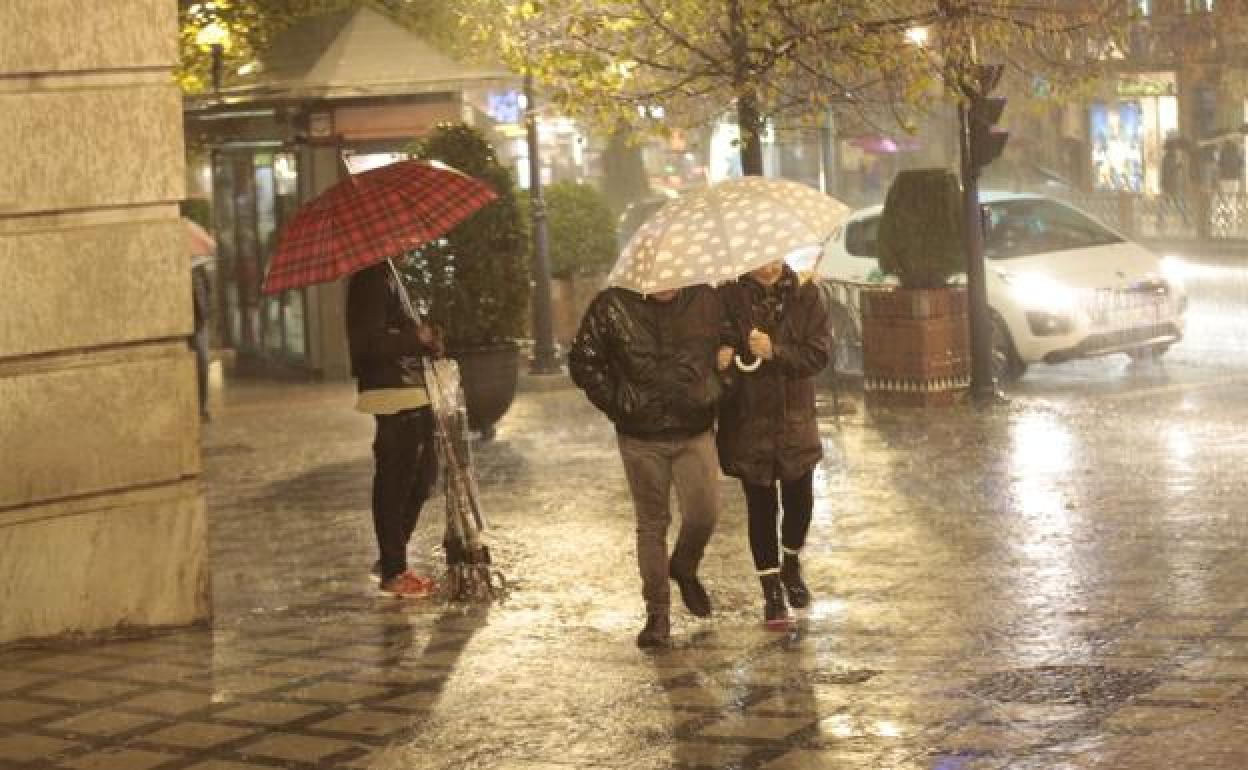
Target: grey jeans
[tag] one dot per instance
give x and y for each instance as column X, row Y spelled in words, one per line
column 653, row 467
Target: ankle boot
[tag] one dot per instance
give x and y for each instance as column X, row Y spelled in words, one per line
column 692, row 592
column 775, row 613
column 656, row 633
column 794, row 586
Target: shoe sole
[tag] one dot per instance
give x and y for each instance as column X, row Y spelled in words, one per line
column 396, row 595
column 779, row 625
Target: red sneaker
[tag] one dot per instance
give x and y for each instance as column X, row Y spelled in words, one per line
column 408, row 585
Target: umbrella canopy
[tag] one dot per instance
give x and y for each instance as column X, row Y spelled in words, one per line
column 201, row 243
column 723, row 231
column 372, row 216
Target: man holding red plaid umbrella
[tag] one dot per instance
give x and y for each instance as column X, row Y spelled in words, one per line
column 387, row 346
column 357, row 228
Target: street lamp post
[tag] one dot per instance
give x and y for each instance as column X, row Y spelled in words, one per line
column 214, row 36
column 543, row 326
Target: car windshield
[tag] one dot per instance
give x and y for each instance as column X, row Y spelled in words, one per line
column 1020, row 228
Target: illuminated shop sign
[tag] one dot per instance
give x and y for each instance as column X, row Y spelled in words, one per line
column 1156, row 84
column 505, row 106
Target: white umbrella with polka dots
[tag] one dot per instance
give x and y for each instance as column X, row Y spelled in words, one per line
column 718, row 233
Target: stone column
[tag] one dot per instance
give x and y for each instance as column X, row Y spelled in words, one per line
column 101, row 521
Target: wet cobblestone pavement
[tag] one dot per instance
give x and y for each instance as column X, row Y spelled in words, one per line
column 1056, row 583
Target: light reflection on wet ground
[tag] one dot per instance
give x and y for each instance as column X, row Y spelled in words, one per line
column 1054, row 583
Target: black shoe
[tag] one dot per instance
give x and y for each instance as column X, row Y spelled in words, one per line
column 656, row 633
column 692, row 592
column 794, row 586
column 775, row 612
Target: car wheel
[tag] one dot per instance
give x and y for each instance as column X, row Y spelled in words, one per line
column 1149, row 352
column 1007, row 367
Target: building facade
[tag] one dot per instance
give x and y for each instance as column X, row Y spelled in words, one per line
column 101, row 520
column 339, row 91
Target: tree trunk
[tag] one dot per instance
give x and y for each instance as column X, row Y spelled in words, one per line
column 750, row 125
column 624, row 177
column 749, row 122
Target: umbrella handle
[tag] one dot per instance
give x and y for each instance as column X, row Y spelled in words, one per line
column 404, row 297
column 747, row 367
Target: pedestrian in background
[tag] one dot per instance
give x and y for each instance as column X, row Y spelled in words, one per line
column 1231, row 165
column 776, row 330
column 387, row 347
column 1174, row 181
column 648, row 363
column 202, row 247
column 201, row 303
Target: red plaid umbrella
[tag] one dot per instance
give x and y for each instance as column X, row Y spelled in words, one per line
column 370, row 217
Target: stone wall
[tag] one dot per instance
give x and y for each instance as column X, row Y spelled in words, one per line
column 101, row 520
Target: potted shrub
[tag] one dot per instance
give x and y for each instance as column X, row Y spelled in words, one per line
column 582, row 236
column 474, row 283
column 915, row 336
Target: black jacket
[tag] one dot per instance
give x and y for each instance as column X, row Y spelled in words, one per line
column 650, row 365
column 767, row 427
column 385, row 352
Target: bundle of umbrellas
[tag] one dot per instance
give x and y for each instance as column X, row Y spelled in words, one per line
column 367, row 219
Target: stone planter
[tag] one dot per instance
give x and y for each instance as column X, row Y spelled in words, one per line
column 489, row 376
column 915, row 346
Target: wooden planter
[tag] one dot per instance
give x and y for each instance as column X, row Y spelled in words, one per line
column 915, row 346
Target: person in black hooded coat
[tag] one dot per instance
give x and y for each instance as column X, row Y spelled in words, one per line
column 768, row 436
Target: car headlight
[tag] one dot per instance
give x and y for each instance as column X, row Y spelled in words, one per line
column 1035, row 291
column 1175, row 270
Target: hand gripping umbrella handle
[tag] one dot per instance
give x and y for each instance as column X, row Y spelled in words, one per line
column 750, row 367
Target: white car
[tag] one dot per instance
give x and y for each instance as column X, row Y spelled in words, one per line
column 1060, row 285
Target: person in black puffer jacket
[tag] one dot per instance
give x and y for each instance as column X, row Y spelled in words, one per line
column 767, row 428
column 649, row 364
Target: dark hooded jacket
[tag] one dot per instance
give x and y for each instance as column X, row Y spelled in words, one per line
column 385, row 352
column 649, row 366
column 767, row 427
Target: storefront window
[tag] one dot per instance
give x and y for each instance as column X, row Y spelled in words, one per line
column 1127, row 136
column 256, row 192
column 223, row 196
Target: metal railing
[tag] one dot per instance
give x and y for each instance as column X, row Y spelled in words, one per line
column 1206, row 215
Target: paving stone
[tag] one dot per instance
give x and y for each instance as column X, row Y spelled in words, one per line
column 266, row 712
column 365, row 723
column 119, row 759
column 1147, row 719
column 103, row 722
column 86, row 691
column 25, row 747
column 994, row 738
column 197, row 735
column 1195, row 692
column 15, row 711
column 169, row 702
column 299, row 748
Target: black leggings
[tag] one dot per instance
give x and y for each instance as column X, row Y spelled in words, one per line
column 798, row 497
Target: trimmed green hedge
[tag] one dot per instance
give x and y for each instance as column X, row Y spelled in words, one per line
column 920, row 238
column 580, row 227
column 475, row 282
